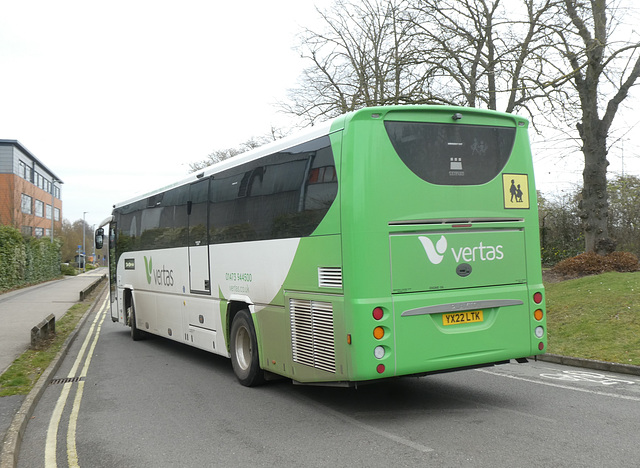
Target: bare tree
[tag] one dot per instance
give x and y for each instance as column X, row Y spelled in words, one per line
column 460, row 52
column 364, row 56
column 214, row 157
column 599, row 72
column 217, row 156
column 488, row 53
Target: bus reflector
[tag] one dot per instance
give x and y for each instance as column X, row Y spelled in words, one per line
column 380, row 368
column 348, row 338
column 378, row 313
column 538, row 315
column 540, row 346
column 378, row 333
column 537, row 297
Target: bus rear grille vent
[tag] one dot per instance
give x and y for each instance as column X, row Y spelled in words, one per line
column 330, row 277
column 312, row 339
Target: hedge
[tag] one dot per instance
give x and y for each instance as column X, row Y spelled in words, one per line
column 26, row 260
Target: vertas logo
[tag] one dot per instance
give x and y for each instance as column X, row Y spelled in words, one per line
column 480, row 252
column 435, row 253
column 161, row 277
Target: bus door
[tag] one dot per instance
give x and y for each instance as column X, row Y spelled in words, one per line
column 199, row 276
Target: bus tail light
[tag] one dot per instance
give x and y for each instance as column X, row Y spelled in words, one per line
column 537, row 297
column 378, row 313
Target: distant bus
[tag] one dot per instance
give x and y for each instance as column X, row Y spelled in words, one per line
column 390, row 241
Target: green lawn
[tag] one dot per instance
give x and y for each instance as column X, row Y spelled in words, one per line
column 596, row 317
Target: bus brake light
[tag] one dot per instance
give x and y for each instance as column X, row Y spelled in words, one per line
column 537, row 297
column 378, row 313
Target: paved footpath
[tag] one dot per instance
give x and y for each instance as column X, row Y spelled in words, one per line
column 23, row 309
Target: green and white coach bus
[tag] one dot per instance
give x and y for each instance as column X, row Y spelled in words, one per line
column 390, row 241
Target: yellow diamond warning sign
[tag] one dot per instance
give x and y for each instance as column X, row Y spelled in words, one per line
column 516, row 190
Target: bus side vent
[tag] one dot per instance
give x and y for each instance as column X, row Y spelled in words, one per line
column 330, row 277
column 312, row 338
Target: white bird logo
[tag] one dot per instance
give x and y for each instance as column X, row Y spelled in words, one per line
column 435, row 253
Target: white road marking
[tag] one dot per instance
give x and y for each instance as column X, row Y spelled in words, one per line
column 567, row 387
column 51, row 444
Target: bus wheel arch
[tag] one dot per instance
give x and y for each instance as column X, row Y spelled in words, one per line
column 130, row 316
column 243, row 346
column 234, row 306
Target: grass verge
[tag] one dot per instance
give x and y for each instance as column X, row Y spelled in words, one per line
column 25, row 371
column 595, row 317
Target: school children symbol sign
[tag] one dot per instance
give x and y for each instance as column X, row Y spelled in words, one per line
column 516, row 190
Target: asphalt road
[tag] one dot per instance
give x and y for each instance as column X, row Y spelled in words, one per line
column 158, row 403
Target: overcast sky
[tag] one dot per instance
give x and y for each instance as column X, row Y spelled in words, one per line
column 117, row 98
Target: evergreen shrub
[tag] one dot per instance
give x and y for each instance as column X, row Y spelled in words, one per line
column 26, row 260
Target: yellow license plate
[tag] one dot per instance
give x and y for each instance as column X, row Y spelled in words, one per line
column 462, row 317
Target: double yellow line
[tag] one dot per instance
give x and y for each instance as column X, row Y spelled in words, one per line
column 52, row 432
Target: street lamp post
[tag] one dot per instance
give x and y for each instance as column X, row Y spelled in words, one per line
column 82, row 254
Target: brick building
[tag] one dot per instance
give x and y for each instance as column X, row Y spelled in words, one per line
column 28, row 190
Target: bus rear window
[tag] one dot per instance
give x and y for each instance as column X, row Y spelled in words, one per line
column 452, row 154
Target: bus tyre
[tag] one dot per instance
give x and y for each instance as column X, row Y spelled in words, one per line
column 136, row 334
column 244, row 350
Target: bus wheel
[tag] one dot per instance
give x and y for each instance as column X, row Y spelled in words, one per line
column 244, row 350
column 136, row 334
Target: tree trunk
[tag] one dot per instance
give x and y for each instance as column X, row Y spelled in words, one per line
column 594, row 207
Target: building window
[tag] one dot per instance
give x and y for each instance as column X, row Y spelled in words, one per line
column 48, row 212
column 39, row 232
column 27, row 230
column 39, row 208
column 26, row 204
column 56, row 214
column 25, row 171
column 47, row 232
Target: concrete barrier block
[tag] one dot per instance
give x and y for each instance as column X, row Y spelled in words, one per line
column 43, row 331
